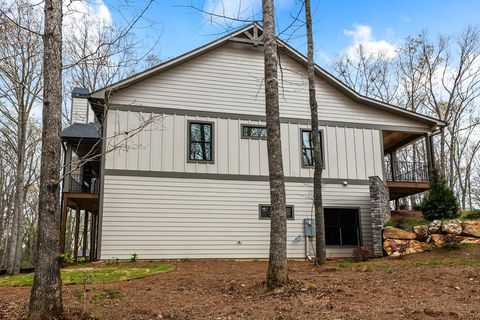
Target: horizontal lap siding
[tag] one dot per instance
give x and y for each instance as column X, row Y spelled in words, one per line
column 350, row 153
column 161, row 218
column 230, row 79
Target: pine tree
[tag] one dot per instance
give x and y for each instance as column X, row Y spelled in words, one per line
column 440, row 202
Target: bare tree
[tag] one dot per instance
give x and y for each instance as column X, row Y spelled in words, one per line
column 320, row 250
column 46, row 295
column 20, row 85
column 277, row 275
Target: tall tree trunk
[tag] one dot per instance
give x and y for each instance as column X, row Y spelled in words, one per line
column 16, row 236
column 320, row 250
column 46, row 295
column 277, row 264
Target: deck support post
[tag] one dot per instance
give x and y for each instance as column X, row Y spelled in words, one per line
column 63, row 224
column 77, row 230
column 392, row 164
column 85, row 234
column 429, row 152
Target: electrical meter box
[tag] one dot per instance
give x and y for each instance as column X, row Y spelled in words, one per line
column 309, row 226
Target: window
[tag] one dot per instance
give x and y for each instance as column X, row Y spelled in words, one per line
column 341, row 227
column 307, row 148
column 254, row 132
column 265, row 212
column 200, row 136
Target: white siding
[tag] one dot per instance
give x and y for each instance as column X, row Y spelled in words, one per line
column 230, row 79
column 81, row 112
column 162, row 218
column 162, row 146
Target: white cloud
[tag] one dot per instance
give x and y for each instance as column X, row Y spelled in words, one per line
column 362, row 36
column 238, row 9
column 91, row 10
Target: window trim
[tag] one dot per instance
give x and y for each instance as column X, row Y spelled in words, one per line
column 322, row 145
column 189, row 122
column 269, row 205
column 359, row 224
column 252, row 125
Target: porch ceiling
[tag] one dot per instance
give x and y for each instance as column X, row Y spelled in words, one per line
column 393, row 140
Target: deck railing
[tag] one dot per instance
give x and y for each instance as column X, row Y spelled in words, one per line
column 408, row 171
column 84, row 183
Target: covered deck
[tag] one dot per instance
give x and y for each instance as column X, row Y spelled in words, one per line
column 407, row 172
column 81, row 191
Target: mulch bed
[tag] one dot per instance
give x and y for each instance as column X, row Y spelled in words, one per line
column 218, row 289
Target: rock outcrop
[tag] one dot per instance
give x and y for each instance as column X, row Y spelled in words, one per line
column 434, row 235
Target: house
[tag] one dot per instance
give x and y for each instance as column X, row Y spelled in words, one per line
column 172, row 162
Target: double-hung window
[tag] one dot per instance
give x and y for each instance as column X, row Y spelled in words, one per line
column 200, row 141
column 307, row 148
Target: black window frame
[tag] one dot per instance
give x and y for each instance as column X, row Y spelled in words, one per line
column 303, row 148
column 190, row 142
column 268, row 218
column 244, row 136
column 339, row 225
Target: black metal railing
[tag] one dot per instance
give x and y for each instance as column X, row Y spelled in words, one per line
column 406, row 171
column 84, row 183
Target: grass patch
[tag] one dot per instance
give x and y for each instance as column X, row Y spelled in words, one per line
column 84, row 273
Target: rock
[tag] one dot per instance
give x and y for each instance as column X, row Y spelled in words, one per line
column 452, row 226
column 421, row 232
column 396, row 247
column 435, row 226
column 470, row 240
column 471, row 228
column 395, row 233
column 437, row 240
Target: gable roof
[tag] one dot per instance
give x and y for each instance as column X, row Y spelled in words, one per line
column 254, row 37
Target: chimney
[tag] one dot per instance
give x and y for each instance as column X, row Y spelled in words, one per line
column 81, row 111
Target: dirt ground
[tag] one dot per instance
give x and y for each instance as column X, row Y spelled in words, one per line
column 431, row 285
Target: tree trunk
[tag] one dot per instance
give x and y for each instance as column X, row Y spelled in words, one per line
column 320, row 250
column 16, row 236
column 277, row 264
column 46, row 295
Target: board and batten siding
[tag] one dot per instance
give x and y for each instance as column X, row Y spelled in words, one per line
column 164, row 218
column 350, row 153
column 229, row 79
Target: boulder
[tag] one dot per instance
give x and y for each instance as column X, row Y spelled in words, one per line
column 453, row 226
column 421, row 232
column 471, row 228
column 470, row 240
column 395, row 247
column 437, row 240
column 395, row 233
column 435, row 226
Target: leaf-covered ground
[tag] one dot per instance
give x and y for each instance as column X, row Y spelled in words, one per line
column 432, row 285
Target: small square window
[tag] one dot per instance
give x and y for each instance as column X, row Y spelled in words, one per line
column 265, row 212
column 254, row 132
column 200, row 141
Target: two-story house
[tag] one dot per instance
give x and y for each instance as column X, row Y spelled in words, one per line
column 174, row 159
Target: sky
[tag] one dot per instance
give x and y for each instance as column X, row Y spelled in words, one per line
column 339, row 25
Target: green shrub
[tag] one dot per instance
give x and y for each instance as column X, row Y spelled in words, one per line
column 473, row 214
column 440, row 202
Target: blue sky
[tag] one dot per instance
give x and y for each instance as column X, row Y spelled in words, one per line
column 337, row 24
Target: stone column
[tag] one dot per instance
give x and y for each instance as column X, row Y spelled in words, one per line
column 380, row 211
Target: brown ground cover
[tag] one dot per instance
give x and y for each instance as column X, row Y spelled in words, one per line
column 430, row 285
